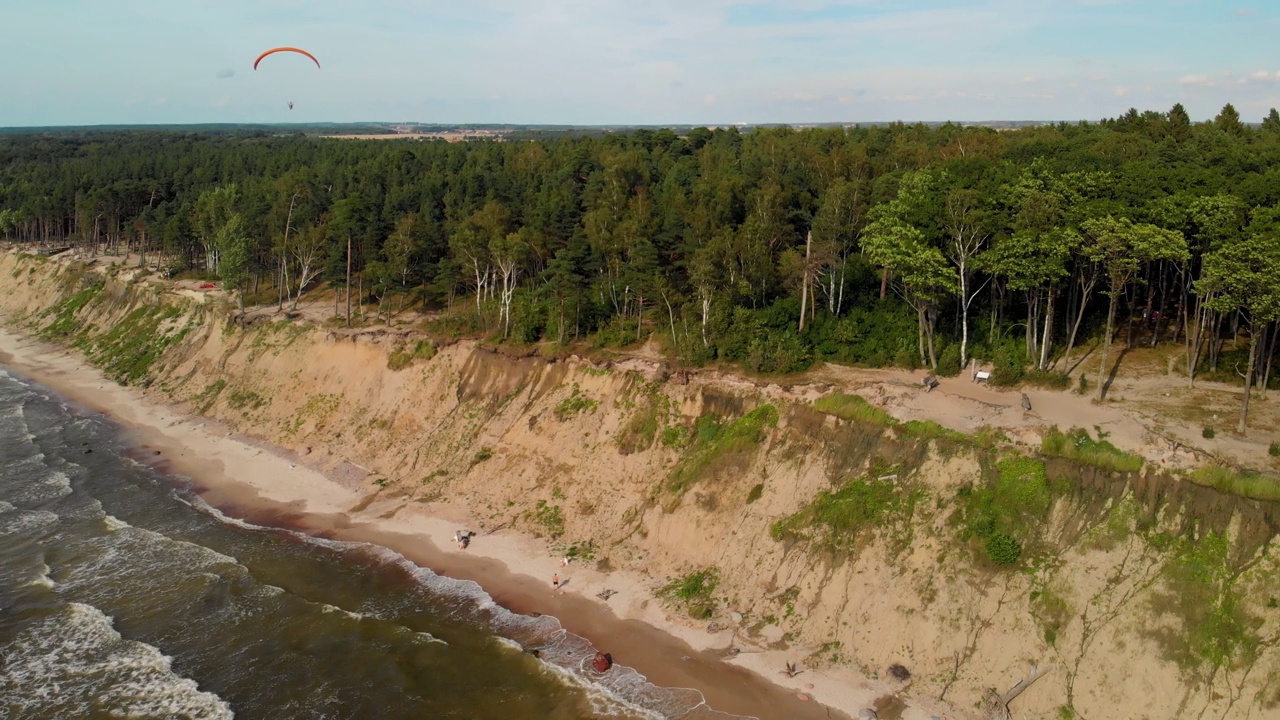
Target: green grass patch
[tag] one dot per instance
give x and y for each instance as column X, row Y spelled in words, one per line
column 318, row 407
column 853, row 408
column 693, row 592
column 986, row 437
column 481, row 455
column 64, row 313
column 1245, row 483
column 575, row 404
column 1078, row 446
column 757, row 491
column 207, row 397
column 1200, row 588
column 721, row 446
column 402, row 357
column 1047, row 379
column 127, row 351
column 549, row 517
column 240, row 399
column 675, row 436
column 642, row 427
column 838, row 519
column 1009, row 508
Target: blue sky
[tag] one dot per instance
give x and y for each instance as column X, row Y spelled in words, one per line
column 632, row 61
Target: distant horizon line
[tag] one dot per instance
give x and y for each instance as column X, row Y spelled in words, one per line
column 408, row 126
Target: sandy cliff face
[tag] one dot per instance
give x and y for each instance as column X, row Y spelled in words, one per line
column 856, row 542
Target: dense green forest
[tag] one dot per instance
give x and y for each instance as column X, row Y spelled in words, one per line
column 906, row 245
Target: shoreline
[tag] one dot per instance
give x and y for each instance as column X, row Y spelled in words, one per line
column 252, row 480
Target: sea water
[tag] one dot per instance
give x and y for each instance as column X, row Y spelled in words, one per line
column 124, row 595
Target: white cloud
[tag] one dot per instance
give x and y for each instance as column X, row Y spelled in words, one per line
column 709, row 100
column 1120, row 91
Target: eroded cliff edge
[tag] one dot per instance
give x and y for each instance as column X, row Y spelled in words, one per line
column 798, row 514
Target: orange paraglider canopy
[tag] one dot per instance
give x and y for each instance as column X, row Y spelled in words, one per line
column 285, row 49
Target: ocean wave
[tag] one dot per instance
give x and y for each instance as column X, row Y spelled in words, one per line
column 26, row 521
column 622, row 692
column 40, row 484
column 73, row 663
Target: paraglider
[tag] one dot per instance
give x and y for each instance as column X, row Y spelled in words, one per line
column 285, row 49
column 300, row 51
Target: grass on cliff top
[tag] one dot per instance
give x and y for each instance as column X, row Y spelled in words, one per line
column 838, row 519
column 402, row 357
column 853, row 408
column 719, row 446
column 1245, row 483
column 1078, row 446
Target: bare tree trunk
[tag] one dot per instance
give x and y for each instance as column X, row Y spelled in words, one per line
column 1266, row 372
column 1048, row 332
column 1106, row 346
column 348, row 281
column 884, row 283
column 804, row 279
column 1248, row 383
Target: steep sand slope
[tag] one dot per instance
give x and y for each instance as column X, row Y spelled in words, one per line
column 1152, row 598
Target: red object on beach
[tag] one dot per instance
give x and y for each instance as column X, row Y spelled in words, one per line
column 602, row 662
column 207, row 286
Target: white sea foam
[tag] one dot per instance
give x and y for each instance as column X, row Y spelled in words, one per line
column 26, row 521
column 622, row 692
column 72, row 663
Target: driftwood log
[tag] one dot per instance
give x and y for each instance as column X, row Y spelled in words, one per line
column 996, row 706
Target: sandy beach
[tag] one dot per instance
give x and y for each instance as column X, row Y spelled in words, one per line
column 265, row 485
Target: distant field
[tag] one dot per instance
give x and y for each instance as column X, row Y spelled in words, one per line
column 449, row 136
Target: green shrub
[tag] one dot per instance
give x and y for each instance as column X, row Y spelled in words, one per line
column 1048, row 379
column 693, row 591
column 1082, row 387
column 1208, row 433
column 675, row 436
column 481, row 455
column 1003, row 549
column 1009, row 364
column 756, row 491
column 1274, row 450
column 949, row 361
column 907, row 357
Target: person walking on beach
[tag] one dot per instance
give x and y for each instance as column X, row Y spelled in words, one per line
column 555, row 580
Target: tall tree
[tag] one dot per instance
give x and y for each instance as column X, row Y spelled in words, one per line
column 232, row 242
column 1243, row 274
column 1122, row 247
column 894, row 240
column 965, row 225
